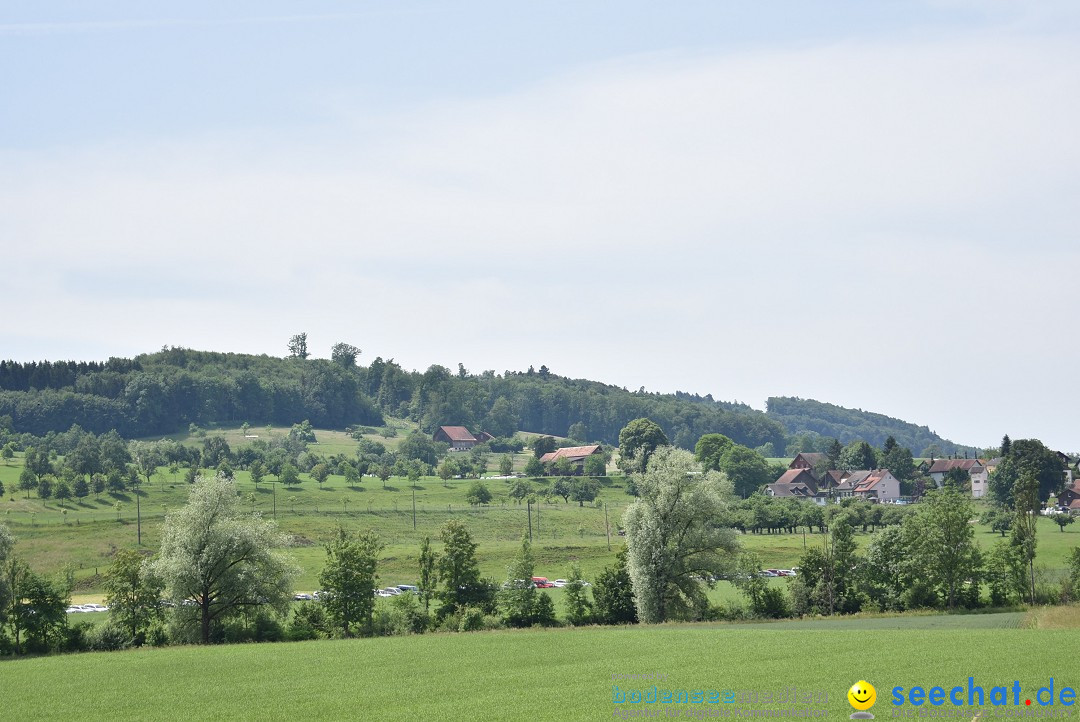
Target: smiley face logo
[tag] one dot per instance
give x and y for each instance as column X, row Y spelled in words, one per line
column 862, row 695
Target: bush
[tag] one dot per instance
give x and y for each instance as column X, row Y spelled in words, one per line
column 771, row 604
column 308, row 622
column 157, row 634
column 75, row 638
column 107, row 638
column 920, row 595
column 402, row 616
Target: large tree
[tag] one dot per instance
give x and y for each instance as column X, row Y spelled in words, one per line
column 349, row 579
column 745, row 468
column 637, row 442
column 222, row 560
column 710, row 448
column 522, row 605
column 613, row 594
column 941, row 543
column 298, row 346
column 673, row 537
column 1026, row 458
column 344, row 354
column 858, row 455
column 133, row 593
column 460, row 572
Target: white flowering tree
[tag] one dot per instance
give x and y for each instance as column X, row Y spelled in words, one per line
column 675, row 543
column 220, row 559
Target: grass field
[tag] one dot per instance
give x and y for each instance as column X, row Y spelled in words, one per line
column 85, row 538
column 561, row 674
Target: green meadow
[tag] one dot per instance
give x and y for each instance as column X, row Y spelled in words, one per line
column 563, row 674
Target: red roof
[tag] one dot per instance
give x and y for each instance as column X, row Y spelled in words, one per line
column 810, row 457
column 570, row 453
column 871, row 480
column 798, row 476
column 457, row 433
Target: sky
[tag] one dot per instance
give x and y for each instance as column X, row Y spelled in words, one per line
column 870, row 204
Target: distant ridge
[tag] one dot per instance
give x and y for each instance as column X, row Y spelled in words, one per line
column 800, row 416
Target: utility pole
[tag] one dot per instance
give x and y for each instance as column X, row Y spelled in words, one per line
column 607, row 528
column 537, row 517
column 274, row 487
column 138, row 516
column 414, row 507
column 528, row 510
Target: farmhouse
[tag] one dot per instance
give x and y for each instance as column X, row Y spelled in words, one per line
column 975, row 467
column 798, row 483
column 576, row 455
column 458, row 437
column 875, row 485
column 1070, row 498
column 806, row 460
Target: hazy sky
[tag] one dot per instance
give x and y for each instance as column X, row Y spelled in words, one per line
column 873, row 204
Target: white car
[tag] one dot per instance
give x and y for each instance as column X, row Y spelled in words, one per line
column 560, row 583
column 95, row 608
column 74, row 609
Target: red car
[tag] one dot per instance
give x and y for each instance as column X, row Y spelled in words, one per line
column 542, row 582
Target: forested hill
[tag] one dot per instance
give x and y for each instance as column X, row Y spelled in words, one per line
column 806, row 416
column 164, row 392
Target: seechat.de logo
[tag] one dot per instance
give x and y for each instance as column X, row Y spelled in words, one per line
column 862, row 696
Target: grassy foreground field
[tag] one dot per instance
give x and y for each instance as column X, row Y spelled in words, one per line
column 515, row 675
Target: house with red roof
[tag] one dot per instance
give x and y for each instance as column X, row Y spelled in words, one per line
column 873, row 485
column 576, row 455
column 459, row 438
column 798, row 483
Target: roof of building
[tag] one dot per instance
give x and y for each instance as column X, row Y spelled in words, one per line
column 570, row 453
column 810, row 457
column 797, row 490
column 799, row 477
column 457, row 433
column 871, row 480
column 940, row 466
column 835, row 477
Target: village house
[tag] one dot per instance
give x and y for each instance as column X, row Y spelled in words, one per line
column 1070, row 498
column 975, row 467
column 798, row 483
column 459, row 438
column 806, row 460
column 874, row 485
column 576, row 455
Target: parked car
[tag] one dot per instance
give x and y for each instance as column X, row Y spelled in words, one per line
column 95, row 608
column 302, row 597
column 542, row 583
column 559, row 583
column 409, row 588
